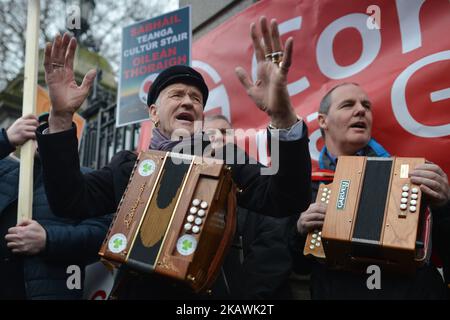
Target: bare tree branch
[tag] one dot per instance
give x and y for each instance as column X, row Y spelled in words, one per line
column 106, row 23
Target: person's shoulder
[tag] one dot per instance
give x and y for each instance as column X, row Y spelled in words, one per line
column 124, row 156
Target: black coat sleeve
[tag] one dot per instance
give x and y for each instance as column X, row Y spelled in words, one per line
column 80, row 242
column 69, row 192
column 285, row 193
column 267, row 264
column 441, row 237
column 5, row 146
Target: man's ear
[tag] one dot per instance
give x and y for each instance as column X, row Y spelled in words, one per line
column 152, row 111
column 322, row 118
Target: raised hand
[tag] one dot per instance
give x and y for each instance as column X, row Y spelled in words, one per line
column 65, row 95
column 22, row 130
column 269, row 92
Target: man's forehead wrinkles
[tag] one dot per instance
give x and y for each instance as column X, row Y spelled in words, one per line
column 181, row 86
column 362, row 99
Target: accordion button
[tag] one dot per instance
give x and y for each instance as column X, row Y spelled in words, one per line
column 405, row 194
column 412, row 208
column 313, row 241
column 314, row 235
column 319, row 239
column 324, row 194
column 414, row 196
column 404, row 200
column 325, row 189
column 323, row 199
column 198, row 221
column 195, row 202
column 403, row 206
column 317, row 244
column 312, row 247
column 320, row 233
column 405, row 188
column 415, row 190
column 413, row 202
column 327, row 201
column 195, row 229
column 201, row 213
column 204, row 205
column 193, row 210
column 187, row 226
column 190, row 218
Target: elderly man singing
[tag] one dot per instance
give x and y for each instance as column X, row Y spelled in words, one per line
column 176, row 100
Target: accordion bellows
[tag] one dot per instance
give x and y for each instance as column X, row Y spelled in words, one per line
column 176, row 219
column 374, row 215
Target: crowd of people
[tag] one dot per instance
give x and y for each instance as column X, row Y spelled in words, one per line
column 73, row 206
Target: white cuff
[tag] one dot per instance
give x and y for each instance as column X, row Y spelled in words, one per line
column 290, row 134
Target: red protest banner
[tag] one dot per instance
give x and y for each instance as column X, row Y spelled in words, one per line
column 397, row 51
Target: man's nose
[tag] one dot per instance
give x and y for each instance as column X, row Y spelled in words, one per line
column 187, row 101
column 360, row 110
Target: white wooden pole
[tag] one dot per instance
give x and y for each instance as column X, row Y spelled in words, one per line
column 25, row 202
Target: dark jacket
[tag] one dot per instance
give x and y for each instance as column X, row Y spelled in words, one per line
column 441, row 239
column 69, row 241
column 327, row 283
column 283, row 194
column 259, row 263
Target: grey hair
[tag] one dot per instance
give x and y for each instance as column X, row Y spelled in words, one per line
column 325, row 103
column 158, row 100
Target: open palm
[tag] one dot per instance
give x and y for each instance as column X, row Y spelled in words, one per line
column 269, row 92
column 65, row 95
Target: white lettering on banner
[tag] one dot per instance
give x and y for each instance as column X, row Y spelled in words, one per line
column 218, row 96
column 398, row 99
column 155, row 35
column 172, row 39
column 313, row 116
column 143, row 48
column 439, row 95
column 324, row 51
column 299, row 85
column 408, row 16
column 313, row 138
